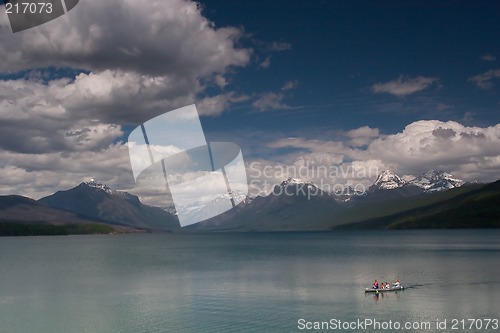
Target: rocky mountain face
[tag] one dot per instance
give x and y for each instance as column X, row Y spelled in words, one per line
column 387, row 180
column 436, row 181
column 430, row 181
column 18, row 209
column 98, row 201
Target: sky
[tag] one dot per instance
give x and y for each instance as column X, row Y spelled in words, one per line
column 327, row 91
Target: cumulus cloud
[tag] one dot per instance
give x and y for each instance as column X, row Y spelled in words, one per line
column 143, row 60
column 449, row 146
column 37, row 118
column 485, row 79
column 404, row 86
column 472, row 153
column 362, row 136
column 38, row 175
column 126, row 62
column 162, row 37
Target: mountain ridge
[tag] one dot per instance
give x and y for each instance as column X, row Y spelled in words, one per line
column 477, row 208
column 293, row 205
column 111, row 206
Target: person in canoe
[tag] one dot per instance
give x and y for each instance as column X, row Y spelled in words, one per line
column 387, row 285
column 397, row 283
column 375, row 285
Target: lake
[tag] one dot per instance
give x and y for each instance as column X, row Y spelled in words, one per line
column 250, row 282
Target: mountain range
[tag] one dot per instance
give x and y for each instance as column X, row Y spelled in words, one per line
column 300, row 205
column 431, row 181
column 293, row 205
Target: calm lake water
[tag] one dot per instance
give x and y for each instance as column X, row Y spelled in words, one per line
column 246, row 282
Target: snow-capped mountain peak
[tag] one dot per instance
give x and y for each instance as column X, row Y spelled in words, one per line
column 94, row 184
column 388, row 180
column 296, row 187
column 297, row 182
column 292, row 181
column 434, row 180
column 212, row 208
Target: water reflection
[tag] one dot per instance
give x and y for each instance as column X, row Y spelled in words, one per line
column 385, row 295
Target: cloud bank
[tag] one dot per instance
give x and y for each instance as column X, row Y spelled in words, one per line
column 125, row 62
column 357, row 156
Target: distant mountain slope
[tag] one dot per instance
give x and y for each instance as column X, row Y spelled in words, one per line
column 293, row 205
column 21, row 216
column 388, row 202
column 14, row 208
column 111, row 206
column 478, row 208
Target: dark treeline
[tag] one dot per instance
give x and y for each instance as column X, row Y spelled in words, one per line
column 26, row 229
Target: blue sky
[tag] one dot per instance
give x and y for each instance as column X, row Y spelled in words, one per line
column 339, row 50
column 352, row 85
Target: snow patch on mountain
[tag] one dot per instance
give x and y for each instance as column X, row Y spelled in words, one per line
column 433, row 180
column 218, row 204
column 387, row 180
column 294, row 181
column 94, row 184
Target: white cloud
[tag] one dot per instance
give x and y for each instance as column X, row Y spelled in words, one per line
column 274, row 101
column 37, row 175
column 484, row 80
column 270, row 101
column 149, row 63
column 215, row 105
column 220, row 81
column 157, row 38
column 449, row 146
column 472, row 153
column 362, row 136
column 37, row 118
column 404, row 86
column 136, row 61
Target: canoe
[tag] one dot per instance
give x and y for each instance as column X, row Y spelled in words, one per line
column 393, row 288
